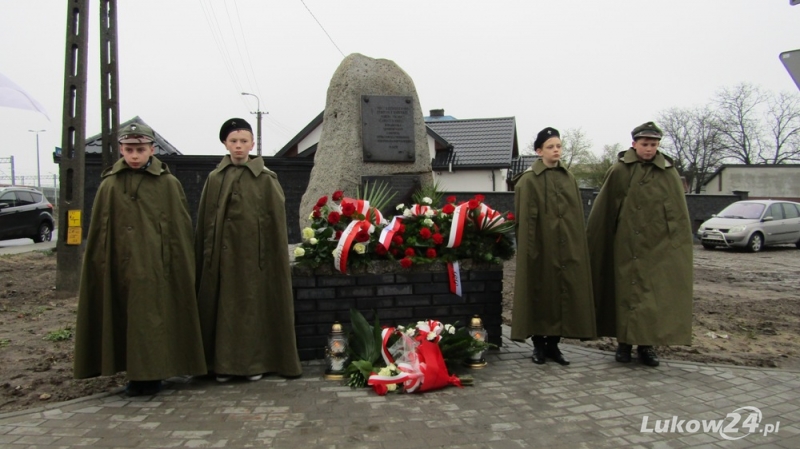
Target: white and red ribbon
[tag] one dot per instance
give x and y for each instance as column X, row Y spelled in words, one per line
column 454, row 274
column 457, row 227
column 488, row 218
column 389, row 231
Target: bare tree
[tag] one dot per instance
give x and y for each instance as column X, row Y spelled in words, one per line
column 693, row 140
column 738, row 121
column 783, row 128
column 592, row 172
column 576, row 148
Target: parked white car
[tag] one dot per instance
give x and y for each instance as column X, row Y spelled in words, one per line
column 753, row 224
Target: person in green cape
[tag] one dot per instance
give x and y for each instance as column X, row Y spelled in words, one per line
column 640, row 240
column 553, row 285
column 244, row 287
column 137, row 309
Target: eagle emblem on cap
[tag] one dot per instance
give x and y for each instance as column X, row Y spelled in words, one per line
column 549, row 132
column 133, row 127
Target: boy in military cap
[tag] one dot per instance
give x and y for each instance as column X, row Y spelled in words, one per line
column 137, row 310
column 640, row 241
column 553, row 287
column 243, row 279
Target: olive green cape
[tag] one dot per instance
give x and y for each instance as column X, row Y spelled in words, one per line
column 640, row 241
column 243, row 277
column 137, row 310
column 553, row 284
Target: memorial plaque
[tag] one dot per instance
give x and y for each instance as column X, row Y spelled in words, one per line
column 387, row 124
column 403, row 186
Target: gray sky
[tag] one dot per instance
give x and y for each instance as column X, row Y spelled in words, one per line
column 603, row 65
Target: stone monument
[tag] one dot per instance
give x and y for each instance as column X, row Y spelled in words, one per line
column 372, row 129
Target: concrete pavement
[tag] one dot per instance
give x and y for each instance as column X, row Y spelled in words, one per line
column 593, row 403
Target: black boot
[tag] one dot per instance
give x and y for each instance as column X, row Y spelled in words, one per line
column 554, row 353
column 647, row 355
column 623, row 353
column 539, row 348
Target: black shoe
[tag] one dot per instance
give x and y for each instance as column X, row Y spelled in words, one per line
column 151, row 387
column 647, row 355
column 555, row 354
column 134, row 388
column 623, row 353
column 538, row 355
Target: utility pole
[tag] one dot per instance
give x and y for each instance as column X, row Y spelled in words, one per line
column 38, row 170
column 109, row 85
column 258, row 114
column 73, row 137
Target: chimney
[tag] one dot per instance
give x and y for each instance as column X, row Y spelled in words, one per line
column 437, row 112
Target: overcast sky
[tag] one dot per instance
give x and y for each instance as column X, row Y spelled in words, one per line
column 602, row 65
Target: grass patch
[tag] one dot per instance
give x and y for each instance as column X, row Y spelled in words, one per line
column 59, row 335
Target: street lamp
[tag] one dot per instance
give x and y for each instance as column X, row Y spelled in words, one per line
column 258, row 114
column 38, row 171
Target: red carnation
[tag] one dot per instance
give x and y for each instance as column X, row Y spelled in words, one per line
column 338, row 235
column 362, row 236
column 430, row 253
column 410, row 252
column 316, row 213
column 438, row 239
column 451, row 199
column 448, row 208
column 479, row 197
column 348, row 209
column 334, row 217
column 380, row 389
column 510, row 216
column 425, row 233
column 397, row 240
column 337, row 195
column 380, row 250
column 406, row 262
column 322, row 201
column 473, row 204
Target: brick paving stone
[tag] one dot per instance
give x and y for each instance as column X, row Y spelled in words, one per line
column 595, row 402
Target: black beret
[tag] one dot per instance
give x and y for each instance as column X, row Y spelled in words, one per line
column 543, row 135
column 648, row 129
column 231, row 125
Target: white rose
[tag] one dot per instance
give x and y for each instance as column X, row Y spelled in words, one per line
column 307, row 233
column 391, row 387
column 311, row 216
column 431, row 336
column 407, row 213
column 427, row 222
column 299, row 252
column 449, row 328
column 400, row 206
column 360, row 248
column 312, row 241
column 430, row 213
column 427, row 200
column 335, row 252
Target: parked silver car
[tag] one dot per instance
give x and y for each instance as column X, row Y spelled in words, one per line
column 753, row 224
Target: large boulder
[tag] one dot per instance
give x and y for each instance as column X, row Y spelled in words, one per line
column 338, row 163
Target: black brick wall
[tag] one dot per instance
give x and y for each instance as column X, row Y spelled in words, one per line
column 397, row 298
column 294, row 173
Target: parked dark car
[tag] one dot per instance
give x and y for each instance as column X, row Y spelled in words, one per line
column 25, row 213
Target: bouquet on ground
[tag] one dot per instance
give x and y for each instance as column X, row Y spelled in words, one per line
column 414, row 358
column 352, row 232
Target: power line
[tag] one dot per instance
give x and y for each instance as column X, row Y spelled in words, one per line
column 247, row 49
column 250, row 83
column 323, row 28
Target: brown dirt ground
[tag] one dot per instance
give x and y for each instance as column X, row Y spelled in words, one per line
column 746, row 309
column 746, row 312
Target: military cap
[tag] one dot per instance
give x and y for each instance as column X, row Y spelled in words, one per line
column 231, row 125
column 648, row 129
column 136, row 133
column 543, row 135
